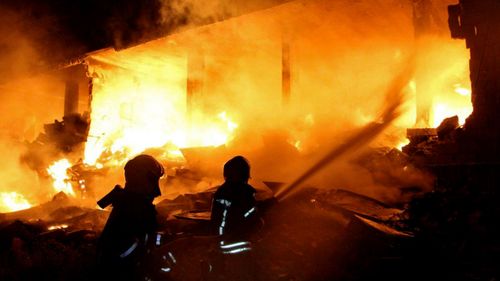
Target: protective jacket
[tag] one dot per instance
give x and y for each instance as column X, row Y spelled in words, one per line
column 131, row 223
column 233, row 215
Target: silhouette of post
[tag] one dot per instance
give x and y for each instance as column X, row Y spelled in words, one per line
column 195, row 77
column 285, row 71
column 71, row 95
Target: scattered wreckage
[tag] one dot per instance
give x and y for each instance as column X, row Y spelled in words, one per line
column 297, row 239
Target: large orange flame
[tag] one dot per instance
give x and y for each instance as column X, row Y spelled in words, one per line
column 59, row 173
column 12, row 201
column 458, row 103
column 442, row 78
column 143, row 105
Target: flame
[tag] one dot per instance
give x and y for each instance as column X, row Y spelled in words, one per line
column 402, row 143
column 12, row 201
column 463, row 91
column 143, row 105
column 57, row 226
column 443, row 110
column 299, row 134
column 298, row 145
column 140, row 96
column 58, row 172
column 230, row 125
column 447, row 81
column 457, row 104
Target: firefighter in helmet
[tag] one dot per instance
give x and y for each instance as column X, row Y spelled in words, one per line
column 132, row 220
column 233, row 218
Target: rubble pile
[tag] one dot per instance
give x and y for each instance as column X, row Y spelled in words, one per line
column 455, row 225
column 318, row 235
column 59, row 138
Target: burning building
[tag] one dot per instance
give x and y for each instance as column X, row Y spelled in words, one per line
column 284, row 72
column 283, row 86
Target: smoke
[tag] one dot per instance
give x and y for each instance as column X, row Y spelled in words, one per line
column 16, row 177
column 31, row 94
column 189, row 13
column 17, row 53
column 340, row 63
column 367, row 134
column 18, row 58
column 343, row 57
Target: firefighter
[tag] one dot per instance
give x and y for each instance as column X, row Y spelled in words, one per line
column 234, row 214
column 132, row 222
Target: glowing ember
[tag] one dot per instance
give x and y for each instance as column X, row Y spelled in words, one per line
column 58, row 172
column 58, row 226
column 298, row 145
column 300, row 133
column 12, row 201
column 402, row 143
column 462, row 90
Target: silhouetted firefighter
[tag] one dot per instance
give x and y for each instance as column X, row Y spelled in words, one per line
column 233, row 217
column 132, row 222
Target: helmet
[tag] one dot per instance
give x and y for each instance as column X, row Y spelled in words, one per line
column 237, row 169
column 142, row 174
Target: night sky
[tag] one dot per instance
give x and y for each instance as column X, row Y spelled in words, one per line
column 57, row 30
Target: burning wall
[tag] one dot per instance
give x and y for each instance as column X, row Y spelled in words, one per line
column 338, row 62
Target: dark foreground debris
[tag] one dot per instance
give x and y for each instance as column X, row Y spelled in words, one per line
column 448, row 234
column 316, row 236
